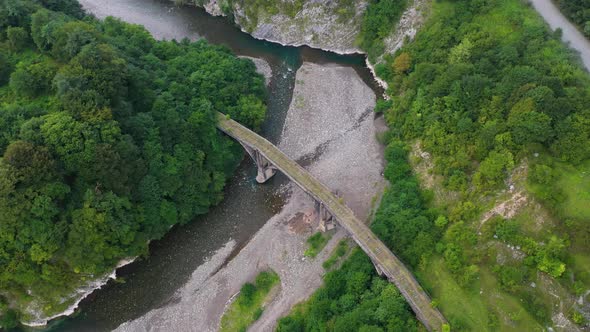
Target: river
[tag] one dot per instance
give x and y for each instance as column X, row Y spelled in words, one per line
column 150, row 283
column 571, row 35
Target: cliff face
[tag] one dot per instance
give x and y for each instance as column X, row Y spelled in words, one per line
column 331, row 25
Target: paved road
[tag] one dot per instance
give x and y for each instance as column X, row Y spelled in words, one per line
column 549, row 11
column 381, row 256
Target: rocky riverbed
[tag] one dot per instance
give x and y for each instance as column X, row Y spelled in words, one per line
column 348, row 160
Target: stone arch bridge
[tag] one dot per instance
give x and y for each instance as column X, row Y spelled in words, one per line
column 269, row 159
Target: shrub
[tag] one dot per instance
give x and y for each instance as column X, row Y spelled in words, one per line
column 266, row 279
column 247, row 294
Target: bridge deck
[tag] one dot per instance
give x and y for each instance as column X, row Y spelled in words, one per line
column 390, row 265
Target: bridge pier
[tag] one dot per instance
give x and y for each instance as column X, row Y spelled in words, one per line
column 379, row 269
column 266, row 169
column 326, row 219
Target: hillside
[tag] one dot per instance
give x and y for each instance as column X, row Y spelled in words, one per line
column 488, row 159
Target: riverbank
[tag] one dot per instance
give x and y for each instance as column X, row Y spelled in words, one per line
column 38, row 319
column 281, row 243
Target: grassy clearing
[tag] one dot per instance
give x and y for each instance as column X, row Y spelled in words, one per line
column 470, row 309
column 581, row 270
column 575, row 183
column 509, row 313
column 535, row 221
column 460, row 305
column 340, row 251
column 316, row 242
column 249, row 305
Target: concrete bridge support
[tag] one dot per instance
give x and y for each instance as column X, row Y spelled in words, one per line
column 379, row 269
column 266, row 169
column 327, row 221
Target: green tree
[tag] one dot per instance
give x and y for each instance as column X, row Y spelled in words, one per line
column 251, row 110
column 5, row 68
column 96, row 68
column 549, row 257
column 32, row 163
column 10, row 319
column 43, row 23
column 573, row 135
column 18, row 38
column 493, row 169
column 32, row 79
column 71, row 37
column 114, row 143
column 378, row 21
column 461, row 53
column 101, row 232
column 528, row 125
column 16, row 13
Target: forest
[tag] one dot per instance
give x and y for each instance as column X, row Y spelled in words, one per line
column 578, row 11
column 380, row 17
column 487, row 105
column 107, row 139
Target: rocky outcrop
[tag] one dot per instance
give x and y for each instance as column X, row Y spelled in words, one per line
column 325, row 24
column 406, row 29
column 408, row 25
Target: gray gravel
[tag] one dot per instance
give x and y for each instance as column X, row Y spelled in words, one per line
column 328, row 101
column 332, row 115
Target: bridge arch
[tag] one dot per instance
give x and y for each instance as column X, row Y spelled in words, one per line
column 269, row 159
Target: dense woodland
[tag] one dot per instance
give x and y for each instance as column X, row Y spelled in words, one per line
column 577, row 11
column 497, row 102
column 107, row 140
